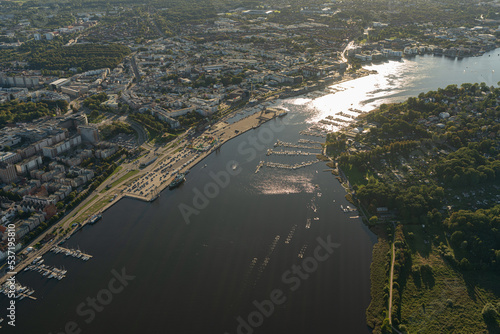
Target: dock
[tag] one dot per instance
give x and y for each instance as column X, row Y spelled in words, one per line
column 309, row 141
column 285, row 144
column 313, row 133
column 290, row 153
column 23, row 295
column 71, row 252
column 47, row 271
column 20, row 291
column 285, row 166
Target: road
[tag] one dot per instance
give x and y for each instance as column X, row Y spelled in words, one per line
column 344, row 58
column 142, row 136
column 134, row 67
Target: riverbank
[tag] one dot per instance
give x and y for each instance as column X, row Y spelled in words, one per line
column 222, row 130
column 377, row 310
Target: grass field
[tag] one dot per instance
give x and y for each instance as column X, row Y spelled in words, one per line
column 356, row 177
column 83, row 207
column 377, row 311
column 124, row 177
column 452, row 301
column 97, row 206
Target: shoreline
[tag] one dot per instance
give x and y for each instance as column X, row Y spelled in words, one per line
column 250, row 122
column 235, row 129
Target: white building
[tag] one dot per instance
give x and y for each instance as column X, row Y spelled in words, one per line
column 27, row 165
column 55, row 150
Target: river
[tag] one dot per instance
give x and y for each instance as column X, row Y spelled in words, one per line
column 247, row 249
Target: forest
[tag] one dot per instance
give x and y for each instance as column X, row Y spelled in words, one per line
column 474, row 237
column 84, row 56
column 110, row 130
column 427, row 173
column 426, row 154
column 16, row 111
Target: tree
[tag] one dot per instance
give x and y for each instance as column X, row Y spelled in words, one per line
column 386, row 326
column 489, row 312
column 465, row 264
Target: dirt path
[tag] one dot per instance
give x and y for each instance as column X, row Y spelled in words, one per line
column 391, row 278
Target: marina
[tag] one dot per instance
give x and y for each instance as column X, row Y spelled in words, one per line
column 20, row 291
column 169, row 242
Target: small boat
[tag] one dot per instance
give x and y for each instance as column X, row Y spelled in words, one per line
column 282, row 113
column 95, row 218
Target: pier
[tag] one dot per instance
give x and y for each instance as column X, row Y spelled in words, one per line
column 308, row 141
column 49, row 272
column 20, row 291
column 28, row 295
column 290, row 153
column 285, row 166
column 73, row 252
column 285, row 144
column 330, row 123
column 313, row 133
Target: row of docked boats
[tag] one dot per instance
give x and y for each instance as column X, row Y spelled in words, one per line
column 347, row 208
column 76, row 253
column 20, row 291
column 47, row 271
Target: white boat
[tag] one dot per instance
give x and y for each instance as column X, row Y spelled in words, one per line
column 282, row 113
